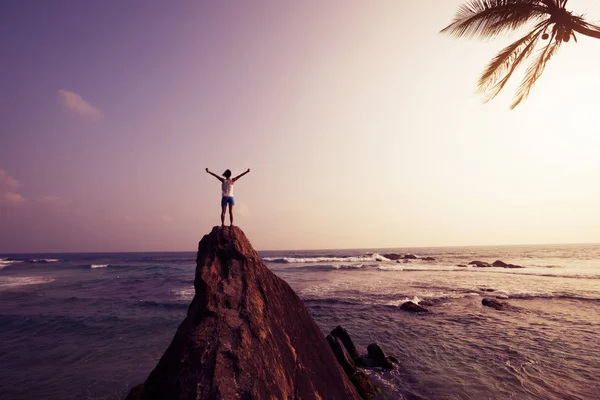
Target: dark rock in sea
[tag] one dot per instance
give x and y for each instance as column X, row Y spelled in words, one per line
column 343, row 335
column 392, row 256
column 462, row 265
column 412, row 307
column 363, row 385
column 393, row 359
column 486, row 289
column 480, row 264
column 342, row 355
column 246, row 335
column 493, row 303
column 428, row 259
column 513, row 266
column 499, row 264
column 410, row 257
column 376, row 354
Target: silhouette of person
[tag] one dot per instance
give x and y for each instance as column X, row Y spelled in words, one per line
column 227, row 193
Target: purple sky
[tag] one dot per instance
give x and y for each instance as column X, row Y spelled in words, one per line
column 359, row 121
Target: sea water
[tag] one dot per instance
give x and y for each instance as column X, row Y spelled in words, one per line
column 91, row 326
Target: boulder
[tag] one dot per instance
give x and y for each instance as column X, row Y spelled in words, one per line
column 499, row 264
column 480, row 264
column 342, row 355
column 428, row 259
column 376, row 354
column 493, row 303
column 410, row 257
column 246, row 335
column 343, row 335
column 462, row 265
column 392, row 256
column 413, row 307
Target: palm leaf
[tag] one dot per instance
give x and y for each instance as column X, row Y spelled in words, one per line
column 489, row 18
column 501, row 68
column 536, row 69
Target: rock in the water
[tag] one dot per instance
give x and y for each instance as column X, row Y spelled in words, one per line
column 392, row 256
column 499, row 264
column 393, row 359
column 513, row 266
column 462, row 265
column 363, row 385
column 493, row 303
column 412, row 307
column 343, row 335
column 342, row 355
column 246, row 335
column 376, row 354
column 428, row 259
column 480, row 264
column 486, row 289
column 410, row 257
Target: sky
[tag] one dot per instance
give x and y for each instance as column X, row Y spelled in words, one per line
column 360, row 122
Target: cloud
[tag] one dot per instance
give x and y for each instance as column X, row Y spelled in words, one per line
column 77, row 104
column 8, row 187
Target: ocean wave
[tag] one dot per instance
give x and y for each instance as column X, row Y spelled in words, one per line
column 5, row 262
column 16, row 281
column 156, row 304
column 94, row 266
column 186, row 293
column 417, row 268
column 305, row 260
column 398, row 303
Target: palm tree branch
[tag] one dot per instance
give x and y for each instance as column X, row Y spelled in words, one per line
column 502, row 67
column 489, row 18
column 536, row 69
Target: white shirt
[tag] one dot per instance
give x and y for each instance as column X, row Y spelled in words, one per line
column 227, row 188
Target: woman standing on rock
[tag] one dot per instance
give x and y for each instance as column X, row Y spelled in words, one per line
column 227, row 193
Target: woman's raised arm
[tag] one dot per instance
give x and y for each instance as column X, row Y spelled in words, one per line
column 215, row 175
column 240, row 175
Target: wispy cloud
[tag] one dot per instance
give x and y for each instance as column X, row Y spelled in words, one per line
column 8, row 193
column 77, row 104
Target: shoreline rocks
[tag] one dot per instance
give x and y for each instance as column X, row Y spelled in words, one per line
column 496, row 264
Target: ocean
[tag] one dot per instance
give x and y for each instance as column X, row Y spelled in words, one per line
column 91, row 326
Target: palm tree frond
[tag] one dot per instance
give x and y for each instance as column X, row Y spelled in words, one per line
column 536, row 69
column 501, row 68
column 489, row 18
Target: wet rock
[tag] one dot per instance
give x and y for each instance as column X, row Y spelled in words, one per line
column 480, row 264
column 462, row 265
column 513, row 266
column 410, row 257
column 343, row 335
column 428, row 259
column 376, row 354
column 413, row 307
column 499, row 264
column 342, row 355
column 363, row 385
column 493, row 303
column 486, row 290
column 392, row 256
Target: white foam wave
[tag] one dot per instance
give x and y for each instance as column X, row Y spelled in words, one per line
column 16, row 281
column 186, row 293
column 5, row 263
column 305, row 260
column 44, row 260
column 94, row 266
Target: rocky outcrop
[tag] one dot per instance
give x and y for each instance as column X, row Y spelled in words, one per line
column 480, row 264
column 493, row 303
column 413, row 307
column 246, row 335
column 497, row 264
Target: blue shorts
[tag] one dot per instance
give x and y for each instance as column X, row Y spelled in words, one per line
column 227, row 200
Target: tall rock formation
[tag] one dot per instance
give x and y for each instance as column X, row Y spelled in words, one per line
column 246, row 335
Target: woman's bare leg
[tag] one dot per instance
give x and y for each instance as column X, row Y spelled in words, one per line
column 231, row 215
column 223, row 208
